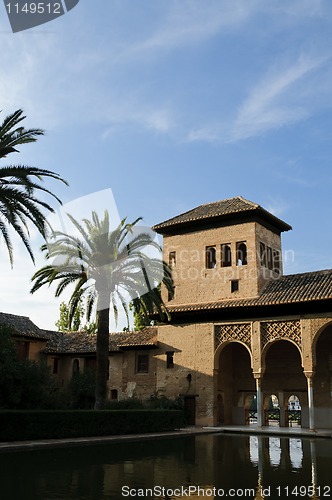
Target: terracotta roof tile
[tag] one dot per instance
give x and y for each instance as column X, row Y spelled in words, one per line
column 84, row 343
column 23, row 326
column 223, row 209
column 295, row 288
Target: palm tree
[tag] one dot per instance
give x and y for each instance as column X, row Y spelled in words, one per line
column 18, row 203
column 105, row 266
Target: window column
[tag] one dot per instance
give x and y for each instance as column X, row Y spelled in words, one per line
column 309, row 376
column 259, row 402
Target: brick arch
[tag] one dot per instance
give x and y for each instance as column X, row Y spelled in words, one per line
column 274, row 341
column 233, row 381
column 316, row 338
column 232, row 332
column 226, row 343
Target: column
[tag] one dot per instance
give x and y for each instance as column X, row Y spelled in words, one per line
column 310, row 402
column 259, row 402
column 281, row 399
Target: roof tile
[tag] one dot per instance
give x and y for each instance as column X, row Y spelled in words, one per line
column 85, row 343
column 221, row 209
column 23, row 326
column 304, row 287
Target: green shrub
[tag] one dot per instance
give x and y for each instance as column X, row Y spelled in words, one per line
column 163, row 402
column 154, row 402
column 81, row 390
column 125, row 404
column 24, row 384
column 31, row 425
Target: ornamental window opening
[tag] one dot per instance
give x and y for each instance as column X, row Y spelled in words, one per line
column 269, row 258
column 172, row 259
column 241, row 253
column 276, row 260
column 226, row 255
column 262, row 250
column 210, row 257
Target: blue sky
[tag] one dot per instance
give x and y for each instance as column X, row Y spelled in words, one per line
column 176, row 103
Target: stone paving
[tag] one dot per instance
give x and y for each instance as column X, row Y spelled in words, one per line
column 229, row 429
column 273, row 430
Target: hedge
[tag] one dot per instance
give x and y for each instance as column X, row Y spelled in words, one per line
column 38, row 424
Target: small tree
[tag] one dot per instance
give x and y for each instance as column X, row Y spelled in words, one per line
column 71, row 321
column 63, row 324
column 24, row 384
column 141, row 320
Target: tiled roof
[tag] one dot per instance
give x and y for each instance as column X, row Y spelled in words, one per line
column 224, row 209
column 23, row 326
column 84, row 343
column 145, row 337
column 288, row 289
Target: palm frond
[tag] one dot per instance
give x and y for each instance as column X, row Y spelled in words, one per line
column 19, row 185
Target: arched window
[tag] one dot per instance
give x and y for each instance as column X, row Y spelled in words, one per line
column 276, row 261
column 172, row 259
column 210, row 257
column 226, row 255
column 269, row 258
column 241, row 253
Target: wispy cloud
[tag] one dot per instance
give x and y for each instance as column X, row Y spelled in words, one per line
column 287, row 93
column 63, row 79
column 158, row 118
column 277, row 206
column 191, row 21
column 274, row 102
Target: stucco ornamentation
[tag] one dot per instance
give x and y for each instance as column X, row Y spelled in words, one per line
column 240, row 332
column 273, row 330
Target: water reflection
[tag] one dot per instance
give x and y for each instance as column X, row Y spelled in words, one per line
column 191, row 467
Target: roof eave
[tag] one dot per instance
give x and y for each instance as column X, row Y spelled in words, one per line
column 259, row 214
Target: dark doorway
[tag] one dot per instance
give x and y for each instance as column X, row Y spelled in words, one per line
column 190, row 409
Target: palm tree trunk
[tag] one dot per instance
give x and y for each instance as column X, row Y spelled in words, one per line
column 102, row 358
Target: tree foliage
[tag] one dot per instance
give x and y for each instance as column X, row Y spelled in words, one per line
column 103, row 265
column 67, row 324
column 64, row 324
column 19, row 185
column 24, row 384
column 141, row 319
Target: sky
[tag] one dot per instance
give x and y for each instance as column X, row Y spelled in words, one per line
column 172, row 104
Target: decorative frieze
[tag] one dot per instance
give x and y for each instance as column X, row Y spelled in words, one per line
column 234, row 331
column 278, row 330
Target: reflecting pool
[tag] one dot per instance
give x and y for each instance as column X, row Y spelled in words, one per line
column 202, row 466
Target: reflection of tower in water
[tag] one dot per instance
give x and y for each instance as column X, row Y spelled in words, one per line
column 278, row 453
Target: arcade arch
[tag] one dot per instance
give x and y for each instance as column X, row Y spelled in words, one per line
column 283, row 376
column 322, row 380
column 234, row 382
